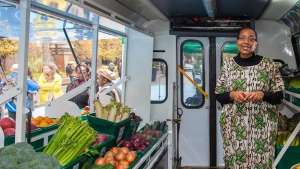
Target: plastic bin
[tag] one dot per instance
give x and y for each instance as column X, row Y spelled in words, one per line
column 104, row 126
column 131, row 129
column 295, row 90
column 290, row 158
column 37, row 144
column 287, row 97
column 296, row 101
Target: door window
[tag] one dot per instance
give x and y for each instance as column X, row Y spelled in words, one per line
column 192, row 61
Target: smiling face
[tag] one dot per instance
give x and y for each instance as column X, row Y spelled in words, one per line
column 247, row 42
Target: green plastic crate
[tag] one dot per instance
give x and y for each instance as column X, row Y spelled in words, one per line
column 104, row 126
column 295, row 90
column 131, row 129
column 296, row 101
column 287, row 97
column 137, row 159
column 38, row 144
column 290, row 158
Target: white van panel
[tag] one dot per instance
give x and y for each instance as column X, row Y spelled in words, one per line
column 139, row 69
column 165, row 42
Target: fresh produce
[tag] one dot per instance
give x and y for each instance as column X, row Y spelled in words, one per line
column 296, row 166
column 9, row 132
column 100, row 138
column 137, row 142
column 282, row 122
column 106, row 166
column 85, row 110
column 294, row 83
column 282, row 137
column 114, row 111
column 8, row 126
column 23, row 156
column 157, row 125
column 7, row 122
column 293, row 121
column 118, row 157
column 71, row 139
column 43, row 121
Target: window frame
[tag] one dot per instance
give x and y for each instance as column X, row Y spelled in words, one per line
column 181, row 76
column 167, row 79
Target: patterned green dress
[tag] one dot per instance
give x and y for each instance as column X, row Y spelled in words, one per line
column 249, row 129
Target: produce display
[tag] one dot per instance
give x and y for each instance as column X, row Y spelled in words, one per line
column 285, row 128
column 106, row 166
column 71, row 139
column 43, row 121
column 282, row 137
column 294, row 83
column 155, row 129
column 141, row 140
column 75, row 138
column 114, row 112
column 296, row 166
column 137, row 142
column 100, row 138
column 118, row 157
column 8, row 126
column 85, row 110
column 23, row 156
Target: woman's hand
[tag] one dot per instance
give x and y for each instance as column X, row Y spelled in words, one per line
column 255, row 96
column 238, row 96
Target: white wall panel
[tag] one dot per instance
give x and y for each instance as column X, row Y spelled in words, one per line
column 139, row 69
column 166, row 42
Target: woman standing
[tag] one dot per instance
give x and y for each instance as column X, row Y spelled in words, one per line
column 249, row 88
column 50, row 84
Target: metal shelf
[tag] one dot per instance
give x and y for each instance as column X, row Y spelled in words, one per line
column 293, row 94
column 149, row 158
column 291, row 105
column 295, row 131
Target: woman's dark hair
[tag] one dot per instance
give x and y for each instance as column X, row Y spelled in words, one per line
column 243, row 28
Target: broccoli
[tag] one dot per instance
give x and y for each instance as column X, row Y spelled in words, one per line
column 23, row 156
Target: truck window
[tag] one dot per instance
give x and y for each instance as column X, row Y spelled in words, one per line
column 159, row 81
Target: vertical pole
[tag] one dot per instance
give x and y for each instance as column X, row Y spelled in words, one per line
column 212, row 106
column 94, row 62
column 22, row 70
column 124, row 62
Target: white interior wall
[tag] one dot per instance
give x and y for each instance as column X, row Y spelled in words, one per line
column 166, row 42
column 274, row 41
column 139, row 70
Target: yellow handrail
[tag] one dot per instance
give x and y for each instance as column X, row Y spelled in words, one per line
column 198, row 87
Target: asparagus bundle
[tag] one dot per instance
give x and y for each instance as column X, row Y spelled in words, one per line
column 71, row 139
